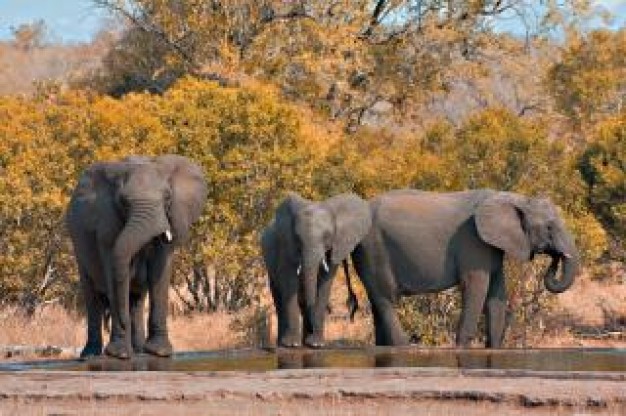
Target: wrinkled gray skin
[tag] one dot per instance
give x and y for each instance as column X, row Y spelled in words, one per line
column 125, row 219
column 302, row 249
column 424, row 242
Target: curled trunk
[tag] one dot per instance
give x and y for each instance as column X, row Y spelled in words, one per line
column 566, row 253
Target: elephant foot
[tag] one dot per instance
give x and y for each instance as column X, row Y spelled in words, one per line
column 289, row 341
column 159, row 346
column 91, row 350
column 314, row 341
column 118, row 349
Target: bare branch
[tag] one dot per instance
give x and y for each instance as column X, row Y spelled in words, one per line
column 148, row 27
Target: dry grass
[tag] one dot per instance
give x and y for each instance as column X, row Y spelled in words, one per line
column 589, row 307
column 49, row 325
column 205, row 332
column 594, row 303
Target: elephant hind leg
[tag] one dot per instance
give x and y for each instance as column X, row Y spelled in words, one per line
column 495, row 311
column 474, row 286
column 387, row 326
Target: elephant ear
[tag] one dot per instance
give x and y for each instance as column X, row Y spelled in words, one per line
column 284, row 221
column 499, row 223
column 188, row 193
column 353, row 221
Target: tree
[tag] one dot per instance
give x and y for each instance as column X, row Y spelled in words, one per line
column 588, row 82
column 28, row 36
column 603, row 167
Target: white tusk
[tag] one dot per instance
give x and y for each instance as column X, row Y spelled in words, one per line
column 325, row 265
column 299, row 269
column 567, row 256
column 168, row 236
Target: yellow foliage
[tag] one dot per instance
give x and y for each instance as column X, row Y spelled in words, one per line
column 603, row 166
column 492, row 149
column 589, row 80
column 252, row 148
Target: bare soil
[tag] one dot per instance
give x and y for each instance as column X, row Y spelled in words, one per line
column 415, row 391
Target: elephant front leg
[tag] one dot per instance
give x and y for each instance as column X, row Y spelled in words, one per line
column 118, row 289
column 95, row 310
column 496, row 310
column 285, row 296
column 474, row 286
column 159, row 272
column 315, row 338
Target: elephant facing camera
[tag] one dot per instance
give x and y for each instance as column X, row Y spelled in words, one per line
column 302, row 249
column 125, row 219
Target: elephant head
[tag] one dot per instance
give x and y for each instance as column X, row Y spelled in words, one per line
column 157, row 198
column 318, row 237
column 523, row 227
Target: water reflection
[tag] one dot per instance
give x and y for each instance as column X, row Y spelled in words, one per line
column 279, row 359
column 137, row 363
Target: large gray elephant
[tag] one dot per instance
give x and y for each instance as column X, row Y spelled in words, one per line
column 125, row 218
column 424, row 242
column 302, row 249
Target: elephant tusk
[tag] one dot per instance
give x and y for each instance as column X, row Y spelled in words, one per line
column 567, row 255
column 325, row 265
column 168, row 236
column 299, row 269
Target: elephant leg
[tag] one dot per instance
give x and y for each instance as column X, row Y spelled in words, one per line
column 95, row 311
column 379, row 283
column 287, row 301
column 315, row 339
column 119, row 341
column 285, row 295
column 496, row 310
column 138, row 325
column 388, row 329
column 474, row 286
column 159, row 272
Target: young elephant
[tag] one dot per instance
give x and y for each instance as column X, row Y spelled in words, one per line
column 302, row 249
column 423, row 242
column 125, row 219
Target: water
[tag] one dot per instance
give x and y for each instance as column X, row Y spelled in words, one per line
column 600, row 360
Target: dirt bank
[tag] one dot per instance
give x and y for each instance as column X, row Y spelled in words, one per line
column 306, row 392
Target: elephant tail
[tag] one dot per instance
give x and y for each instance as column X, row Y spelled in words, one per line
column 352, row 301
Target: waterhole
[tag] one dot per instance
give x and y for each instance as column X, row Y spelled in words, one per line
column 251, row 360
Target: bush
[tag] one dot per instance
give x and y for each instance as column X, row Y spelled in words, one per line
column 603, row 167
column 252, row 148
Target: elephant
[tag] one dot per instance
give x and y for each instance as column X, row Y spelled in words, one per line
column 302, row 249
column 125, row 218
column 424, row 242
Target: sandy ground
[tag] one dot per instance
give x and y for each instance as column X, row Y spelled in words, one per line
column 416, row 391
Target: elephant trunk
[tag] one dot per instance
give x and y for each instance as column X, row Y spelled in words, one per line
column 146, row 220
column 310, row 296
column 565, row 252
column 312, row 259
